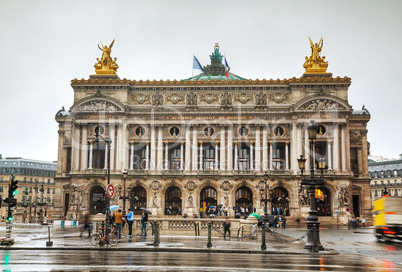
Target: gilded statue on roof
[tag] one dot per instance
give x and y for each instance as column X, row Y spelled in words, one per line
column 106, row 65
column 315, row 63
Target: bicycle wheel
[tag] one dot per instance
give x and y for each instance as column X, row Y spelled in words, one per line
column 95, row 239
column 113, row 240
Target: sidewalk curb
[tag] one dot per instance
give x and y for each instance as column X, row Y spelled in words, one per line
column 177, row 249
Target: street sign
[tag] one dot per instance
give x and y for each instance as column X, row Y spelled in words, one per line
column 73, row 208
column 347, row 209
column 46, row 206
column 110, row 190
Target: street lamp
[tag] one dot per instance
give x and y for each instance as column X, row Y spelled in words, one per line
column 124, row 196
column 265, row 187
column 42, row 202
column 25, row 205
column 35, row 195
column 313, row 237
column 108, row 143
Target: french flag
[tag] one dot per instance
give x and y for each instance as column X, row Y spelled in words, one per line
column 227, row 68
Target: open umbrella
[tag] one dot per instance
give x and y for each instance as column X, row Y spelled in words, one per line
column 113, row 207
column 147, row 211
column 256, row 215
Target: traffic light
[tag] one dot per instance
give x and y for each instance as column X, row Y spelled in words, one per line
column 13, row 202
column 13, row 187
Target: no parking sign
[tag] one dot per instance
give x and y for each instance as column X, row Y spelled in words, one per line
column 110, row 190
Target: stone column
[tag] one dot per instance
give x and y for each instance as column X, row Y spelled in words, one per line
column 132, row 156
column 90, row 154
column 236, row 164
column 265, row 149
column 343, row 144
column 106, row 155
column 230, row 147
column 84, row 148
column 216, row 155
column 159, row 162
column 60, row 151
column 195, row 148
column 365, row 153
column 251, row 156
column 119, row 147
column 153, row 148
column 329, row 152
column 271, row 166
column 258, row 148
column 336, row 147
column 187, row 159
column 147, row 156
column 293, row 148
column 223, row 165
column 201, row 157
column 112, row 147
column 75, row 148
column 181, row 155
column 287, row 156
column 166, row 156
column 307, row 149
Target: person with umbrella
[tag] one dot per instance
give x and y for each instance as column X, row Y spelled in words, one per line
column 144, row 221
column 118, row 220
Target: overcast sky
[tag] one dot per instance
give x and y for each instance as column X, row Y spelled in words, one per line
column 46, row 44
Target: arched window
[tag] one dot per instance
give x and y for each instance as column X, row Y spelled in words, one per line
column 208, row 198
column 138, row 199
column 97, row 200
column 173, row 200
column 244, row 199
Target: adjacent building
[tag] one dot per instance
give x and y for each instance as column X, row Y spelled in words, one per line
column 36, row 186
column 210, row 140
column 386, row 178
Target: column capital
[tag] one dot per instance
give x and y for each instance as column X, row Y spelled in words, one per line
column 90, row 142
column 147, row 143
column 329, row 142
column 181, row 143
column 200, row 143
column 166, row 143
column 286, row 143
column 235, row 142
column 216, row 142
column 251, row 142
column 131, row 142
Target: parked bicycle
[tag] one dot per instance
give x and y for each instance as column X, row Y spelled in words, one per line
column 111, row 238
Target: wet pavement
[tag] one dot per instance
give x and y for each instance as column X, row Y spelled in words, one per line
column 346, row 250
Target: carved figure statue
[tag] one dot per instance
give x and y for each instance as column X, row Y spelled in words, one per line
column 226, row 200
column 303, row 196
column 191, row 99
column 315, row 63
column 157, row 99
column 155, row 200
column 343, row 196
column 190, row 200
column 226, row 99
column 261, row 99
column 106, row 65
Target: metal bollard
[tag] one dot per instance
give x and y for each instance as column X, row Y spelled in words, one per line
column 263, row 245
column 209, row 235
column 156, row 234
column 49, row 243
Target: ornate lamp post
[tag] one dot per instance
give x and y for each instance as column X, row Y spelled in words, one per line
column 313, row 238
column 35, row 196
column 107, row 200
column 265, row 187
column 42, row 202
column 124, row 196
column 25, row 205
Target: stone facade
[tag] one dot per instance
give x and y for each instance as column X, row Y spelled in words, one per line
column 200, row 142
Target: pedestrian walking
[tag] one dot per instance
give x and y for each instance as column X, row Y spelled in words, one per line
column 144, row 221
column 118, row 219
column 130, row 221
column 364, row 222
column 275, row 222
column 226, row 227
column 283, row 222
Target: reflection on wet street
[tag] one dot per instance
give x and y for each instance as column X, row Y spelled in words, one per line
column 86, row 260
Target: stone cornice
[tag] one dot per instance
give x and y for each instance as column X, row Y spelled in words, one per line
column 302, row 80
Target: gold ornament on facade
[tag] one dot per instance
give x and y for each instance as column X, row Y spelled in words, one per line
column 140, row 99
column 106, row 65
column 243, row 98
column 175, row 98
column 278, row 98
column 315, row 64
column 209, row 98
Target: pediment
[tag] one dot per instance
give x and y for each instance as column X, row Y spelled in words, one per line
column 97, row 105
column 322, row 103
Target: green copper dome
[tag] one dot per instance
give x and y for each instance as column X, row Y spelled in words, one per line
column 216, row 70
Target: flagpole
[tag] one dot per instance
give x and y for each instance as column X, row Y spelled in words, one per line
column 192, row 69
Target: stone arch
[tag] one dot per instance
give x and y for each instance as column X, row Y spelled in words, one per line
column 97, row 198
column 208, row 195
column 280, row 197
column 244, row 198
column 173, row 200
column 323, row 201
column 322, row 103
column 138, row 198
